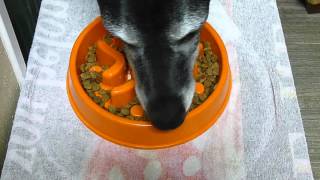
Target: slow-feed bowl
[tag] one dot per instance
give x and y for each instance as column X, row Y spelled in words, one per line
column 133, row 133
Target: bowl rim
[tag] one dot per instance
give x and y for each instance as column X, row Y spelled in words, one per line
column 111, row 117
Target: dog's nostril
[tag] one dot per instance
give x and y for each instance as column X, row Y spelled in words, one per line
column 166, row 113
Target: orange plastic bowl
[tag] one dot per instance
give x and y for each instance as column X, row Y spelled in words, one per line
column 141, row 134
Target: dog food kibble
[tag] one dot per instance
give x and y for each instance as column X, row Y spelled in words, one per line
column 206, row 74
column 112, row 42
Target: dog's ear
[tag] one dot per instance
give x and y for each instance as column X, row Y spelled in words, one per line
column 199, row 3
column 199, row 6
column 110, row 9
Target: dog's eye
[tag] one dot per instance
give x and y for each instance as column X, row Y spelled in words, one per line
column 188, row 37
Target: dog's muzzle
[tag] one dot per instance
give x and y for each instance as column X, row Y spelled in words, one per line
column 166, row 112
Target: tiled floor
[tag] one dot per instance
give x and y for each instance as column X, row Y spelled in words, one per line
column 9, row 92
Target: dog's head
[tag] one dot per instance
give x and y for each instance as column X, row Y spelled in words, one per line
column 161, row 40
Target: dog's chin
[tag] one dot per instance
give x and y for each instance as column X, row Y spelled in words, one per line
column 167, row 125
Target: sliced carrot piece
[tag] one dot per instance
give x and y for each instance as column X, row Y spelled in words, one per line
column 199, row 88
column 96, row 69
column 97, row 94
column 136, row 111
column 107, row 104
column 201, row 50
column 195, row 70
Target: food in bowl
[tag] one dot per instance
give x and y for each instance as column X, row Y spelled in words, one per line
column 206, row 74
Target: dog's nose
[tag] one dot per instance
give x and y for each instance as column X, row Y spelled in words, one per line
column 167, row 112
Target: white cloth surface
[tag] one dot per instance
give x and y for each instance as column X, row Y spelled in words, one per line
column 259, row 136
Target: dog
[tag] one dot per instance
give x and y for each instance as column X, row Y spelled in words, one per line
column 161, row 40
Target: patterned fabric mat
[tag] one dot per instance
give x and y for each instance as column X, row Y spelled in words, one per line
column 259, row 136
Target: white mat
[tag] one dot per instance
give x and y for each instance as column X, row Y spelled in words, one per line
column 259, row 136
